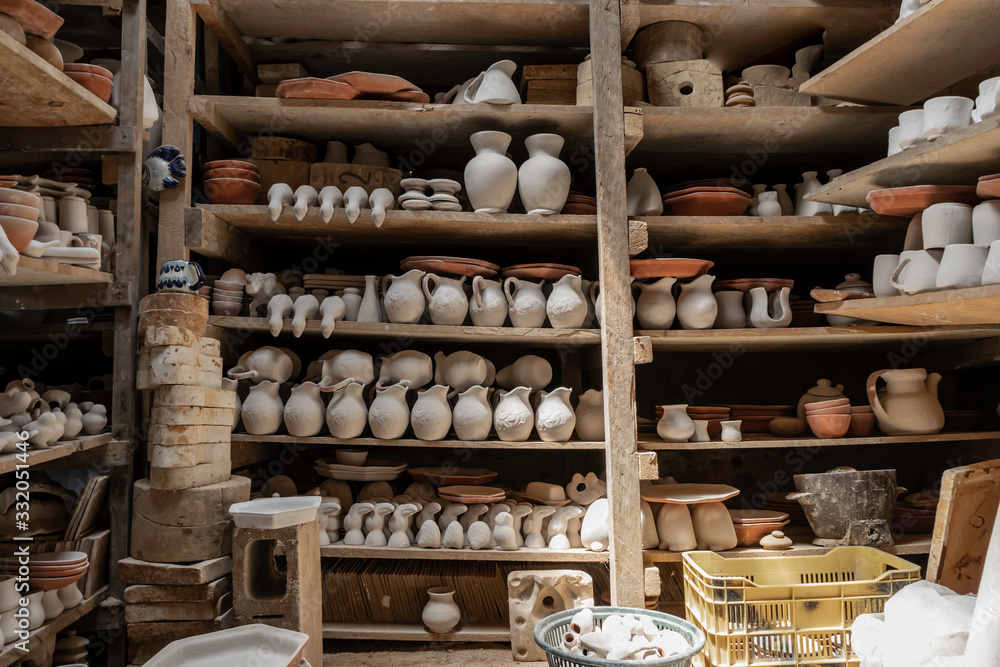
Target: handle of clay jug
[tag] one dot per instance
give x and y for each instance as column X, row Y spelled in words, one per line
column 593, row 290
column 386, row 281
column 508, row 292
column 895, row 274
column 425, row 282
column 476, row 285
column 470, row 92
column 872, row 394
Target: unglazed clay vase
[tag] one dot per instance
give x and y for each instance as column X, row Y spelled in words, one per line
column 490, row 177
column 441, row 615
column 488, row 306
column 304, row 414
column 543, row 180
column 410, row 366
column 513, row 416
column 675, row 528
column 404, row 299
column 770, row 311
column 713, row 526
column 700, row 431
column 731, row 431
column 527, row 303
column 352, row 303
column 655, row 308
column 472, row 416
column 430, row 416
column 389, row 415
column 566, row 306
column 768, row 205
column 528, row 371
column 555, row 419
column 447, row 303
column 590, row 416
column 731, row 314
column 675, row 425
column 642, row 195
column 757, row 189
column 460, row 370
column 910, row 404
column 369, row 310
column 262, row 409
column 696, row 306
column 785, row 201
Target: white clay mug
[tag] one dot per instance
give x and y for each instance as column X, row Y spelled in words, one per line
column 911, row 128
column 946, row 224
column 882, row 272
column 946, row 114
column 921, row 272
column 986, row 223
column 991, row 271
column 962, row 265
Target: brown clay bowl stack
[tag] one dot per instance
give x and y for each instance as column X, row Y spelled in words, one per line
column 829, row 419
column 19, row 216
column 752, row 525
column 98, row 80
column 231, row 182
column 578, row 203
column 227, row 298
column 52, row 571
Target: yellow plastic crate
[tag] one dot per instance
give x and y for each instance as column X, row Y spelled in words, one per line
column 788, row 610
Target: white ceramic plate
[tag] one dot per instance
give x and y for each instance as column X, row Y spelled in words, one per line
column 257, row 644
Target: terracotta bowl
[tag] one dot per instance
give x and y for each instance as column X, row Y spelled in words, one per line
column 862, row 424
column 231, row 191
column 231, row 172
column 750, row 534
column 11, row 196
column 95, row 83
column 90, row 69
column 856, row 409
column 829, row 426
column 677, row 267
column 19, row 211
column 835, row 410
column 231, row 164
column 832, row 403
column 55, row 583
column 19, row 231
column 224, row 309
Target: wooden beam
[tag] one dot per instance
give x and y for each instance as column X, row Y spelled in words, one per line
column 642, row 350
column 212, row 120
column 207, row 235
column 638, row 237
column 82, row 140
column 633, row 128
column 627, row 583
column 651, row 579
column 229, row 36
column 630, row 25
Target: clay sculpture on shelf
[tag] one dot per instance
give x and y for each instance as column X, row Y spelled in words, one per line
column 910, row 404
column 441, row 615
column 543, row 180
column 494, row 86
column 162, row 167
column 490, row 177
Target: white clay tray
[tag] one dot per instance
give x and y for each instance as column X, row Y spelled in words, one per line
column 275, row 513
column 257, row 644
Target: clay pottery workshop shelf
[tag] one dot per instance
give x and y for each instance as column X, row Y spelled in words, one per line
column 231, row 164
column 674, row 267
column 747, row 284
column 989, row 187
column 97, row 84
column 311, row 88
column 853, row 507
column 687, row 494
column 908, row 201
column 453, row 476
column 539, row 271
column 89, row 69
column 224, row 172
column 231, row 190
column 19, row 231
column 707, row 204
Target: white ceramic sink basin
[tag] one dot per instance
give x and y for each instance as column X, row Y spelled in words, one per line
column 275, row 512
column 256, row 644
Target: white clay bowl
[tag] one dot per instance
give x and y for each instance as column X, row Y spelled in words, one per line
column 351, row 457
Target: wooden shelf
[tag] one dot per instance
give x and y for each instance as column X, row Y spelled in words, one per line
column 768, row 441
column 427, row 332
column 416, row 553
column 956, row 38
column 742, row 31
column 969, row 306
column 283, row 439
column 406, row 632
column 33, row 93
column 957, row 158
column 905, row 545
column 727, row 134
column 32, row 271
column 815, row 339
column 401, row 127
column 62, row 449
column 10, row 653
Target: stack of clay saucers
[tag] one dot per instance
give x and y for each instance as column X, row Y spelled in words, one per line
column 231, row 182
column 98, row 80
column 829, row 419
column 740, row 95
column 578, row 203
column 54, row 572
column 436, row 194
column 227, row 293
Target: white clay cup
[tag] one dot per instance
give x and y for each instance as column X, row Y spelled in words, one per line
column 962, row 265
column 911, row 128
column 73, row 215
column 894, row 141
column 921, row 269
column 986, row 223
column 884, row 267
column 946, row 114
column 991, row 272
column 946, row 224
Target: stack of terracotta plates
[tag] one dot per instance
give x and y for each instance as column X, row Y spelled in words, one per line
column 52, row 571
column 717, row 197
column 989, row 186
column 333, row 282
column 458, row 266
column 352, row 86
column 467, row 494
column 578, row 203
column 747, row 284
column 539, row 271
column 374, row 470
column 736, row 183
column 675, row 267
column 908, row 201
column 231, row 182
column 98, row 80
column 915, row 515
column 452, row 476
column 752, row 525
column 8, row 180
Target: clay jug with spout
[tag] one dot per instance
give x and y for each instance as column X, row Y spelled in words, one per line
column 389, row 414
column 655, row 306
column 404, row 301
column 910, row 405
column 262, row 410
column 347, row 414
column 304, row 411
column 488, row 307
column 566, row 306
column 446, row 299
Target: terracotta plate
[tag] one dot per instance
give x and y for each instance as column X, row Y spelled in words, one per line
column 705, row 188
column 739, row 184
column 470, row 490
column 747, row 284
column 687, row 494
column 370, row 83
column 457, row 260
column 988, row 189
column 550, row 503
column 34, row 17
column 453, row 476
column 92, row 69
column 311, row 88
column 906, row 202
column 677, row 267
column 564, row 267
column 453, row 268
column 757, row 516
column 408, row 96
column 707, row 203
column 536, row 273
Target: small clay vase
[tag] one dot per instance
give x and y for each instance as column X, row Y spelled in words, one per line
column 352, row 303
column 590, row 416
column 675, row 425
column 642, row 195
column 566, row 306
column 441, row 615
column 696, row 306
column 655, row 308
column 369, row 310
column 490, row 177
column 543, row 180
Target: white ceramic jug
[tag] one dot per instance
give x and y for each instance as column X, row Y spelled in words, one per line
column 513, row 417
column 642, row 195
column 446, row 299
column 264, row 363
column 472, row 416
column 566, row 306
column 389, row 415
column 810, row 184
column 910, row 405
column 590, row 416
column 543, row 180
column 655, row 308
column 527, row 303
column 494, row 86
column 347, row 414
column 555, row 419
column 304, row 411
column 430, row 416
column 404, row 300
column 488, row 306
column 262, row 409
column 696, row 306
column 352, row 365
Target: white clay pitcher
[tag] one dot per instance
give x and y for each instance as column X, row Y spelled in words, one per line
column 447, row 303
column 404, row 300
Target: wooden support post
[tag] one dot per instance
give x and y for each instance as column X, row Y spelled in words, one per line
column 633, row 128
column 229, row 36
column 177, row 126
column 983, row 649
column 616, row 306
column 651, row 578
column 207, row 235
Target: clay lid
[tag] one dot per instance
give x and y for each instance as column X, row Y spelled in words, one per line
column 824, row 388
column 776, row 541
column 676, row 267
column 853, row 283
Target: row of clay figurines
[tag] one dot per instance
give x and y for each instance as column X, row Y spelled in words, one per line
column 698, row 308
column 42, row 606
column 644, row 199
column 416, row 296
column 417, row 518
column 48, row 417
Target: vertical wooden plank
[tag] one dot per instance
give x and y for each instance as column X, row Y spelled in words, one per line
column 178, row 86
column 627, row 581
column 983, row 649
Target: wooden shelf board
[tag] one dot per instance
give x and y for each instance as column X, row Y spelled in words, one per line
column 969, row 306
column 768, row 441
column 62, row 449
column 777, row 235
column 34, row 93
column 447, row 22
column 815, row 339
column 770, row 130
column 905, row 545
column 401, row 127
column 957, row 40
column 280, row 439
column 10, row 653
column 426, row 332
column 742, row 31
column 32, row 271
column 406, row 632
column 957, row 158
column 416, row 553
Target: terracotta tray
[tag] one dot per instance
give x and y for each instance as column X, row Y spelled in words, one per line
column 738, row 183
column 35, row 18
column 705, row 188
column 747, row 284
column 677, row 267
column 536, row 273
column 458, row 260
column 687, row 494
column 455, row 476
column 707, row 203
column 757, row 516
column 906, row 202
column 453, row 268
column 370, row 83
column 311, row 88
column 989, row 187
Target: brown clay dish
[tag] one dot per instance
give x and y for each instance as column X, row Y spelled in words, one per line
column 231, row 164
column 19, row 231
column 862, row 424
column 543, row 265
column 908, row 201
column 407, row 96
column 95, row 83
column 231, row 191
column 832, row 403
column 676, row 267
column 829, row 426
column 19, row 211
column 91, row 69
column 747, row 284
column 536, row 273
column 370, row 83
column 737, row 183
column 707, row 204
column 750, row 534
column 705, row 188
column 454, row 476
column 245, row 174
column 456, row 268
column 311, row 88
column 457, row 260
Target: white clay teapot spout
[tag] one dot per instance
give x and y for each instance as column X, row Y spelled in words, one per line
column 460, row 370
column 910, row 405
column 778, row 302
column 347, row 366
column 414, row 367
column 264, row 363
